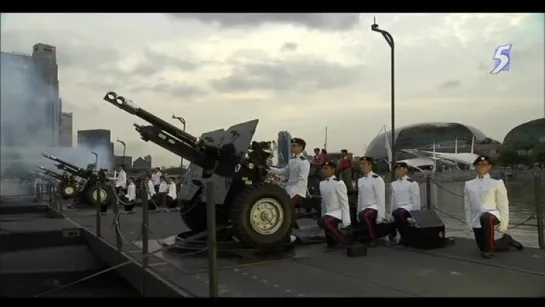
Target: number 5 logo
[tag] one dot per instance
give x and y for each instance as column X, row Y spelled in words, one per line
column 502, row 57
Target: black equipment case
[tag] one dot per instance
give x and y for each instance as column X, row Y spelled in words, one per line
column 427, row 231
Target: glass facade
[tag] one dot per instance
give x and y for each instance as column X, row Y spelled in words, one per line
column 446, row 137
column 284, row 148
column 534, row 129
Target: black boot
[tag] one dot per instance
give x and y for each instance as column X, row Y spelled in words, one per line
column 512, row 242
column 487, row 255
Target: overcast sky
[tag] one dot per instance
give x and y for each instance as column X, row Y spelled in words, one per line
column 295, row 72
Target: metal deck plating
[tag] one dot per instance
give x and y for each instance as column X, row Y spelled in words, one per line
column 309, row 270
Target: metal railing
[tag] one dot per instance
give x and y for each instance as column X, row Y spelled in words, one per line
column 431, row 191
column 50, row 195
column 526, row 198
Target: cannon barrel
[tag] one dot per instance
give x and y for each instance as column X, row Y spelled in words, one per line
column 132, row 108
column 67, row 166
column 80, row 172
column 51, row 173
column 62, row 162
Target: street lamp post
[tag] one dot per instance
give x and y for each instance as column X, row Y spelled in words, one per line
column 124, row 148
column 182, row 120
column 390, row 40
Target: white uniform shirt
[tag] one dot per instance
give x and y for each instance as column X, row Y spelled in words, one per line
column 172, row 190
column 335, row 200
column 405, row 194
column 486, row 195
column 131, row 192
column 121, row 180
column 156, row 178
column 372, row 194
column 151, row 188
column 297, row 172
column 163, row 187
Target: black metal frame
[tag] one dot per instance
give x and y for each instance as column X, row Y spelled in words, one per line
column 390, row 40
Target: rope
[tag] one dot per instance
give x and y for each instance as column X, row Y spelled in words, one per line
column 531, row 217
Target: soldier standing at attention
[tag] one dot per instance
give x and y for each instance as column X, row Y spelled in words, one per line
column 486, row 205
column 371, row 198
column 346, row 169
column 405, row 198
column 296, row 171
column 335, row 209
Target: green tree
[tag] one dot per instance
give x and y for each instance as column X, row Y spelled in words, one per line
column 509, row 156
column 539, row 153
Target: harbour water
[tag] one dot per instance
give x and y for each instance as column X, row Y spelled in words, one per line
column 447, row 199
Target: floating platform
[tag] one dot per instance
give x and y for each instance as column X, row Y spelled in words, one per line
column 309, row 270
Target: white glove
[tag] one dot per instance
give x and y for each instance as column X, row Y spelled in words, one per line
column 379, row 220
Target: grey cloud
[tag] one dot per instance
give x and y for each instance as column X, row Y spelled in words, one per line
column 155, row 62
column 450, row 84
column 176, row 90
column 289, row 46
column 320, row 21
column 299, row 74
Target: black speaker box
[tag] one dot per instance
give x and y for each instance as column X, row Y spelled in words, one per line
column 427, row 231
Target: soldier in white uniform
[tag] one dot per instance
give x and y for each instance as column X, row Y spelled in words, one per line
column 487, row 205
column 121, row 180
column 335, row 209
column 405, row 198
column 296, row 171
column 371, row 199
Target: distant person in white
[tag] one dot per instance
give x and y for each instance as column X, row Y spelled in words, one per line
column 131, row 191
column 121, row 180
column 405, row 198
column 486, row 205
column 156, row 178
column 163, row 186
column 151, row 192
column 172, row 195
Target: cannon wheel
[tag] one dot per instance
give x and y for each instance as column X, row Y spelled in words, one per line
column 262, row 216
column 67, row 190
column 91, row 197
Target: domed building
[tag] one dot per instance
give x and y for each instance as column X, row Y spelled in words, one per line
column 420, row 141
column 534, row 129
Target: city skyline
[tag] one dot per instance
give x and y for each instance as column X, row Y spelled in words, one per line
column 296, row 74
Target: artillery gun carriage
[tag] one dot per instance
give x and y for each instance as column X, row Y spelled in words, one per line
column 249, row 202
column 93, row 187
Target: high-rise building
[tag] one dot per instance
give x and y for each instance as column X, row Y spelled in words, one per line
column 28, row 108
column 45, row 57
column 65, row 131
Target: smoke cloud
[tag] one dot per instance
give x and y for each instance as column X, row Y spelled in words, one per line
column 27, row 130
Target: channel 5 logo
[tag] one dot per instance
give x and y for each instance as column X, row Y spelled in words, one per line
column 502, row 57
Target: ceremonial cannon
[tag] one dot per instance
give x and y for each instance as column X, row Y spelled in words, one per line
column 92, row 188
column 49, row 173
column 257, row 212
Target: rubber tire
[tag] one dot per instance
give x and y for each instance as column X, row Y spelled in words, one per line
column 65, row 195
column 240, row 217
column 88, row 196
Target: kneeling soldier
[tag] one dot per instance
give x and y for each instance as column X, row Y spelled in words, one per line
column 335, row 209
column 405, row 198
column 486, row 205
